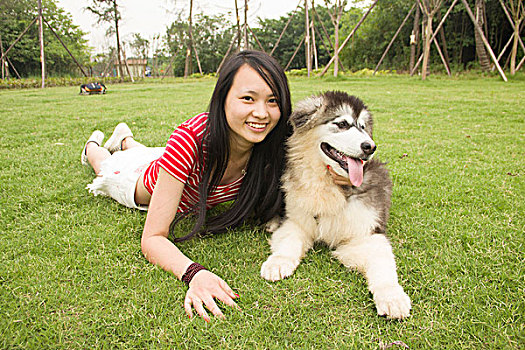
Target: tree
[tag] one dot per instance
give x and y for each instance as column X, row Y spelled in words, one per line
column 517, row 12
column 107, row 11
column 335, row 15
column 480, row 47
column 270, row 29
column 140, row 46
column 15, row 17
column 189, row 48
column 212, row 36
column 430, row 8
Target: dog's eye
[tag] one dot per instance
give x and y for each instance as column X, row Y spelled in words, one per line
column 343, row 125
column 361, row 126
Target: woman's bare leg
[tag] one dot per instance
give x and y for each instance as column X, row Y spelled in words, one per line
column 95, row 155
column 142, row 196
column 130, row 142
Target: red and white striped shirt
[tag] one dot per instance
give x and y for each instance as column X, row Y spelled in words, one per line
column 181, row 160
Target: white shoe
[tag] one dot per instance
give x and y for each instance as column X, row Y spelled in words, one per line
column 97, row 137
column 114, row 143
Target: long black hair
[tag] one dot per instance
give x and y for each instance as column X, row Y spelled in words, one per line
column 260, row 195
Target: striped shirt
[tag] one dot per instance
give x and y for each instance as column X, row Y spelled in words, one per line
column 181, row 160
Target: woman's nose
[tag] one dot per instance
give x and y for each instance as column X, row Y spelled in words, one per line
column 260, row 110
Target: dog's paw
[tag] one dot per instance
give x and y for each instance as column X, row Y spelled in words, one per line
column 392, row 302
column 278, row 267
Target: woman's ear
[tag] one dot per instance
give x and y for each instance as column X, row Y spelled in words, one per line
column 304, row 112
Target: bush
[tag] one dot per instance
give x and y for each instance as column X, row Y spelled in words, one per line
column 28, row 83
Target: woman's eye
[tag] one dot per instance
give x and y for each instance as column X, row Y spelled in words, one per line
column 247, row 98
column 272, row 100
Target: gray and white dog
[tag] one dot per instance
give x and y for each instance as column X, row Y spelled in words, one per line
column 335, row 129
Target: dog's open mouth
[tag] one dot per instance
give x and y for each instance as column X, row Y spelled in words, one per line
column 354, row 166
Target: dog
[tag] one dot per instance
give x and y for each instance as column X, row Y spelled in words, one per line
column 334, row 129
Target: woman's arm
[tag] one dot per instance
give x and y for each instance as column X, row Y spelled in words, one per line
column 159, row 250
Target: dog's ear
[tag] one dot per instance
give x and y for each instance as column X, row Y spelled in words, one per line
column 304, row 111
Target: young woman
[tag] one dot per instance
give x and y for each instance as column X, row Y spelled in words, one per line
column 233, row 152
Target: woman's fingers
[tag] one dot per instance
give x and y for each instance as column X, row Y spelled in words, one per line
column 226, row 288
column 197, row 304
column 227, row 299
column 187, row 306
column 202, row 295
column 214, row 309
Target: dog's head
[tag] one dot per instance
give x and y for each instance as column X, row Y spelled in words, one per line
column 342, row 126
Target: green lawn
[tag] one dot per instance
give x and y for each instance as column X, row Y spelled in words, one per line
column 72, row 274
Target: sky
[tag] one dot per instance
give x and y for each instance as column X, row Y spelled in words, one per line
column 151, row 17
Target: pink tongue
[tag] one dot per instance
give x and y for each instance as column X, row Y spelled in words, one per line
column 355, row 171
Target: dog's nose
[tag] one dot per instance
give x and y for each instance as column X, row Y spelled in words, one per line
column 368, row 147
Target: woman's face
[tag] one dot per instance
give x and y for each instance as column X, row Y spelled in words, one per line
column 251, row 108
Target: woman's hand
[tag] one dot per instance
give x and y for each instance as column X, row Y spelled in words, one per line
column 204, row 288
column 338, row 179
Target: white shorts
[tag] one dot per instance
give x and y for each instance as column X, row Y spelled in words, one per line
column 120, row 172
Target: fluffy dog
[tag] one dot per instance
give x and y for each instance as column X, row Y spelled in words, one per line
column 334, row 129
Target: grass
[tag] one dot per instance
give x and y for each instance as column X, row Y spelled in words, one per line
column 72, row 274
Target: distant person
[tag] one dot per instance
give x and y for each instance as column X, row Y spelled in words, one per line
column 233, row 152
column 93, row 88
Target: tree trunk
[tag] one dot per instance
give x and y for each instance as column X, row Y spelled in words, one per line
column 246, row 43
column 514, row 51
column 481, row 52
column 118, row 39
column 462, row 40
column 337, row 19
column 41, row 37
column 238, row 26
column 414, row 38
column 187, row 65
column 336, row 42
column 2, row 61
column 314, row 45
column 426, row 50
column 307, row 39
column 443, row 40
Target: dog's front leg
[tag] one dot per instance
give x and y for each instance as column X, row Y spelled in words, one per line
column 289, row 243
column 374, row 258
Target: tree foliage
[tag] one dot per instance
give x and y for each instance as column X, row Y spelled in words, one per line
column 16, row 15
column 211, row 35
column 140, row 46
column 371, row 39
column 271, row 29
column 107, row 11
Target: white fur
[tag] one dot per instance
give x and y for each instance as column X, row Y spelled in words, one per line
column 317, row 210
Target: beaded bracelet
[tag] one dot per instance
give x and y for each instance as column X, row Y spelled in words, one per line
column 191, row 271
